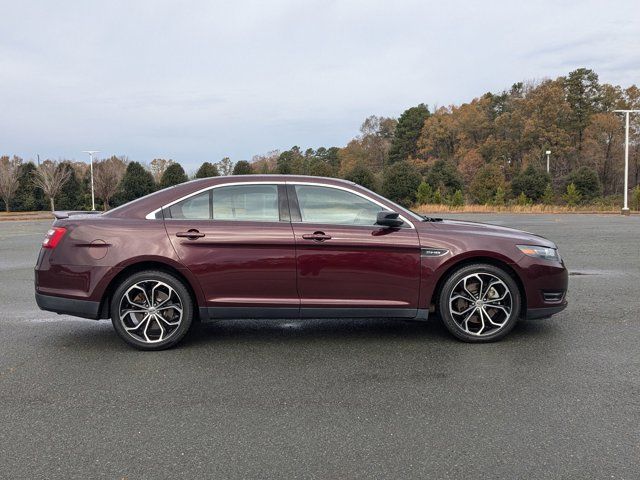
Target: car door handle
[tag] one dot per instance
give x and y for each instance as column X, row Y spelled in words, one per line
column 317, row 236
column 192, row 234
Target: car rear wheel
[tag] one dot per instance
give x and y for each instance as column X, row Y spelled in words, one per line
column 480, row 303
column 151, row 310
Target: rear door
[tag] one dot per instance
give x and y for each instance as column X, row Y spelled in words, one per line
column 238, row 241
column 347, row 265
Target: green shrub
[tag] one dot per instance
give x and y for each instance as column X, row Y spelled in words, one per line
column 532, row 182
column 499, row 198
column 548, row 197
column 424, row 194
column 437, row 197
column 573, row 196
column 522, row 199
column 635, row 198
column 586, row 182
column 457, row 200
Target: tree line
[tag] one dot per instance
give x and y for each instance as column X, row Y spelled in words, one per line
column 490, row 150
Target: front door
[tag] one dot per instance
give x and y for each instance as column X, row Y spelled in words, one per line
column 238, row 241
column 347, row 265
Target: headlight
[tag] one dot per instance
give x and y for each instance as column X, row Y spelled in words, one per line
column 545, row 253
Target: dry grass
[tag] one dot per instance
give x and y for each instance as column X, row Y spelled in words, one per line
column 8, row 216
column 437, row 208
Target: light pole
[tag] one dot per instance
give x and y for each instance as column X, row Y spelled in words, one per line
column 548, row 152
column 93, row 198
column 625, row 208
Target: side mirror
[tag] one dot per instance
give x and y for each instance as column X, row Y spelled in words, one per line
column 389, row 219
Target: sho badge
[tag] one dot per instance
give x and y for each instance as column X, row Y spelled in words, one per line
column 433, row 252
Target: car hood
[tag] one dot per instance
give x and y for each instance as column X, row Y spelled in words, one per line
column 458, row 227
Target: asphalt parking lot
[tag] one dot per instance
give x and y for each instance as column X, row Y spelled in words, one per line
column 558, row 398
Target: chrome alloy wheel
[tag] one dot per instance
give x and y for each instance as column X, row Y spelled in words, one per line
column 150, row 311
column 480, row 304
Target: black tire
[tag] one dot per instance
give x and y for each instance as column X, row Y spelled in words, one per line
column 492, row 333
column 180, row 301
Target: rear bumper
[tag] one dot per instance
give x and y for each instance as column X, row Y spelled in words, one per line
column 545, row 312
column 69, row 306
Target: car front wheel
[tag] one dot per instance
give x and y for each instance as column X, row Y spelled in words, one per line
column 480, row 303
column 151, row 310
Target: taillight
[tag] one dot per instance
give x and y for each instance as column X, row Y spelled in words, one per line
column 53, row 237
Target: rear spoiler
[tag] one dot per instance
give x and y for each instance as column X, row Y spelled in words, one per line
column 69, row 213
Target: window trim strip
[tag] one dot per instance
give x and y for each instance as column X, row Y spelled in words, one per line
column 152, row 215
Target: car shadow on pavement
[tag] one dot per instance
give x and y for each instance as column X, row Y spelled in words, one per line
column 359, row 330
column 100, row 336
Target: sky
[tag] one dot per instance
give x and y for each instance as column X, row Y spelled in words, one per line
column 198, row 80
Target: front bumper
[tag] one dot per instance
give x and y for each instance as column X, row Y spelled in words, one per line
column 69, row 306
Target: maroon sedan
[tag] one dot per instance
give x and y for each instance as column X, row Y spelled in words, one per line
column 268, row 246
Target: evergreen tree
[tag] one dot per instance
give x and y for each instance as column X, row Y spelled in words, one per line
column 242, row 168
column 457, row 200
column 424, row 194
column 206, row 170
column 400, row 183
column 136, row 182
column 173, row 175
column 548, row 197
column 532, row 182
column 584, row 96
column 522, row 200
column 499, row 198
column 572, row 197
column 70, row 196
column 444, row 176
column 290, row 162
column 405, row 140
column 586, row 182
column 363, row 176
column 28, row 197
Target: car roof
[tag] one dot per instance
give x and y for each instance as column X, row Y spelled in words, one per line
column 140, row 207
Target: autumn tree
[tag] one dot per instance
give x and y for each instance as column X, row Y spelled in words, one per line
column 50, row 179
column 603, row 149
column 9, row 179
column 206, row 170
column 486, row 184
column 225, row 166
column 265, row 163
column 158, row 167
column 376, row 135
column 469, row 165
column 405, row 140
column 438, row 138
column 107, row 175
